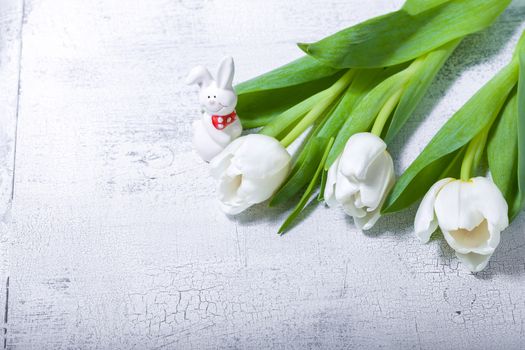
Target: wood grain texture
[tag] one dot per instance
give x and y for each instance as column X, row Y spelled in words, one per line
column 10, row 45
column 118, row 242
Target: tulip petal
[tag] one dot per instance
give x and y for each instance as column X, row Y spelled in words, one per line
column 372, row 215
column 360, row 151
column 331, row 181
column 476, row 240
column 379, row 178
column 229, row 184
column 257, row 190
column 365, row 174
column 367, row 221
column 472, row 215
column 249, row 171
column 455, row 208
column 345, row 189
column 425, row 222
column 489, row 201
column 261, row 156
column 234, row 208
column 492, row 203
column 474, row 262
column 221, row 162
column 351, row 209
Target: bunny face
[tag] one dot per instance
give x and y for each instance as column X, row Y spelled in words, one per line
column 217, row 101
column 216, row 96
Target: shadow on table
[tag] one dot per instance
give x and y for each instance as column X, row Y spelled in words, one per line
column 276, row 215
column 509, row 257
column 402, row 221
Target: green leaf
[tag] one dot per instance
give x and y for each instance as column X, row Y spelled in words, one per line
column 360, row 119
column 413, row 7
column 516, row 208
column 308, row 158
column 263, row 98
column 258, row 108
column 456, row 133
column 292, row 116
column 300, row 71
column 310, row 155
column 324, row 177
column 313, row 183
column 302, row 171
column 363, row 82
column 446, row 166
column 418, row 86
column 404, row 35
column 502, row 151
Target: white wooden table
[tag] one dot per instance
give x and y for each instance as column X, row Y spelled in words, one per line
column 111, row 237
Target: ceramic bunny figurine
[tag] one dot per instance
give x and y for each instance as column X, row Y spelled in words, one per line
column 219, row 124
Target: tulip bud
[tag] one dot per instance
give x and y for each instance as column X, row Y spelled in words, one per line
column 249, row 171
column 471, row 214
column 360, row 179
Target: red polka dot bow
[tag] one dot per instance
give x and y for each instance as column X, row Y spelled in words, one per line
column 222, row 121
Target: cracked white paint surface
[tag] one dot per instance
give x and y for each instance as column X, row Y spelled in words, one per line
column 117, row 242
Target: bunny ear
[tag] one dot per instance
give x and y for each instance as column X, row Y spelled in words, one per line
column 225, row 73
column 200, row 76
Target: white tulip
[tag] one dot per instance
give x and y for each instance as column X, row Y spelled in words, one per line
column 249, row 171
column 360, row 179
column 471, row 214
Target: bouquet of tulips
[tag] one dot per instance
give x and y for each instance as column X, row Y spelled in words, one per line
column 345, row 101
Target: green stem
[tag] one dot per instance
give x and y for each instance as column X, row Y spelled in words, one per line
column 481, row 148
column 475, row 150
column 291, row 115
column 308, row 192
column 331, row 95
column 468, row 161
column 415, row 65
column 392, row 102
column 476, row 146
column 385, row 112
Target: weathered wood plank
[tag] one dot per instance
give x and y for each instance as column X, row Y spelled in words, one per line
column 118, row 242
column 10, row 26
column 11, row 13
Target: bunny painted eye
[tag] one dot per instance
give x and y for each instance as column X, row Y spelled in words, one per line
column 214, row 96
column 208, row 96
